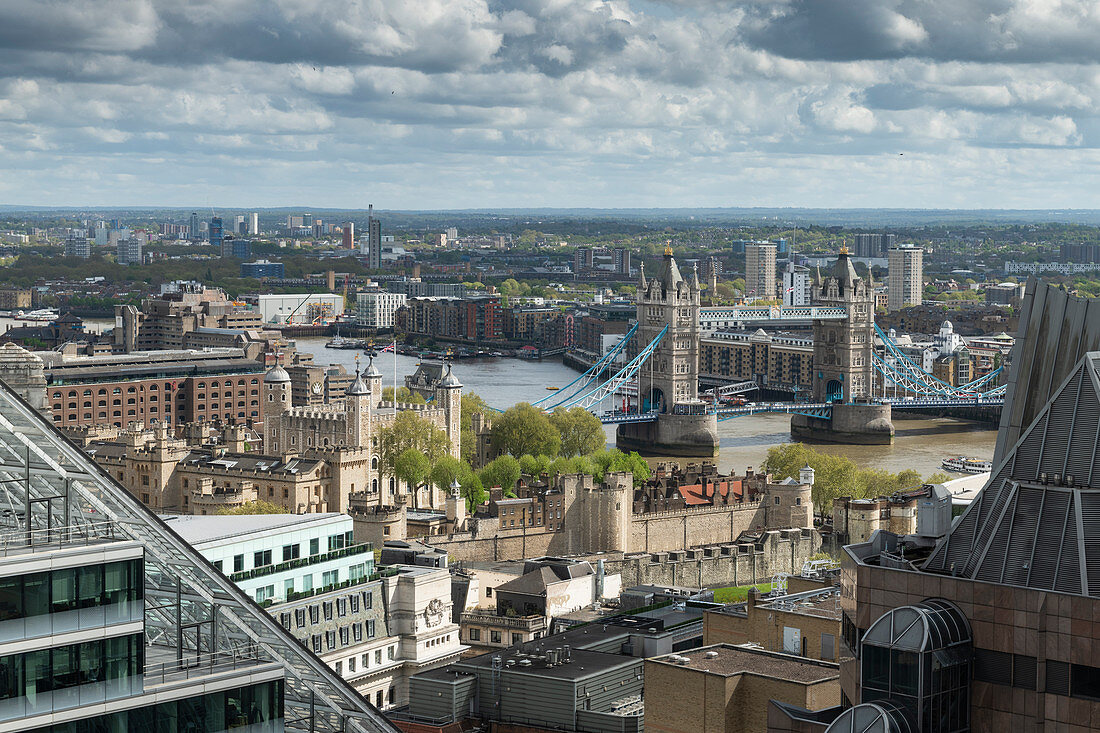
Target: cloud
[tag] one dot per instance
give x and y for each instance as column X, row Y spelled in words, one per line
column 550, row 102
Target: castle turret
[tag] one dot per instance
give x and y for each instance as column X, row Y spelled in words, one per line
column 357, row 400
column 373, row 377
column 448, row 395
column 276, row 401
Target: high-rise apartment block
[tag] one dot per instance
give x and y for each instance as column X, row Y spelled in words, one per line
column 77, row 246
column 217, row 236
column 582, row 260
column 796, row 285
column 194, row 224
column 906, row 277
column 874, row 245
column 621, row 258
column 374, row 240
column 348, row 241
column 254, row 223
column 760, row 270
column 129, row 250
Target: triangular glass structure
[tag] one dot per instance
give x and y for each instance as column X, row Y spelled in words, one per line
column 52, row 493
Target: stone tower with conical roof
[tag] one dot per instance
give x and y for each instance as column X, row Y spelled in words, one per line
column 842, row 349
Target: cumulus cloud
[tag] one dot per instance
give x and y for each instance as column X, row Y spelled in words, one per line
column 549, row 102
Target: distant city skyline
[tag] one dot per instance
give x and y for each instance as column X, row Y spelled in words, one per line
column 459, row 104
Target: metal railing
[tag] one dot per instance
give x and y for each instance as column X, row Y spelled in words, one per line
column 13, row 539
column 198, row 665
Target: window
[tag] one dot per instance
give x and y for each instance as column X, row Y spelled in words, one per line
column 368, row 599
column 291, row 552
column 517, row 639
column 377, row 656
column 300, row 617
column 314, row 614
column 475, row 634
column 391, row 651
column 828, row 646
column 354, row 604
column 494, row 637
column 218, row 565
column 315, row 641
column 340, row 668
column 284, row 619
column 366, row 660
column 330, row 639
column 1084, row 682
column 330, row 577
column 344, row 636
column 351, row 664
column 777, row 501
column 261, row 558
column 315, row 546
column 327, row 607
column 488, row 592
column 238, row 563
column 341, row 607
column 265, row 593
column 370, row 629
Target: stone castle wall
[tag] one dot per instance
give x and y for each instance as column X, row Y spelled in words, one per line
column 675, row 530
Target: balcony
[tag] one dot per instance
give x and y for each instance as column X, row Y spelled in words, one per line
column 301, row 562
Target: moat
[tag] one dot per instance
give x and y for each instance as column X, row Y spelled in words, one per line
column 919, row 444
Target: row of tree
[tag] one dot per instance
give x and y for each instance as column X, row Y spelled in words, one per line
column 838, row 475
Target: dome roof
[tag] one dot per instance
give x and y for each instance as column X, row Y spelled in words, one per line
column 372, row 370
column 276, row 375
column 358, row 387
column 449, row 379
column 947, row 326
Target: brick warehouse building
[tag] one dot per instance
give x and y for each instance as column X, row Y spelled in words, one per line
column 213, row 385
column 988, row 624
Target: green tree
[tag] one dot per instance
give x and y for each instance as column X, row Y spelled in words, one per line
column 412, row 467
column 410, row 430
column 256, row 507
column 404, row 394
column 445, row 472
column 581, row 431
column 525, row 429
column 472, row 489
column 531, row 465
column 504, row 472
column 472, row 405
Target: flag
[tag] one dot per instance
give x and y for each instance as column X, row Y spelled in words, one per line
column 391, row 347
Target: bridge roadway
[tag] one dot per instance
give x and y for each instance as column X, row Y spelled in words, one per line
column 810, row 409
column 719, row 316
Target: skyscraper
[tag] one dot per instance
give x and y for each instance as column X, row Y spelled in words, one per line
column 254, row 223
column 760, row 270
column 349, row 235
column 194, row 226
column 906, row 276
column 621, row 258
column 374, row 240
column 217, row 236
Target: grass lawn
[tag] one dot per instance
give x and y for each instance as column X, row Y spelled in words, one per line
column 738, row 593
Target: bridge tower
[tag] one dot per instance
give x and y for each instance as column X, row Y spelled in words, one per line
column 842, row 349
column 843, row 365
column 669, row 382
column 672, row 375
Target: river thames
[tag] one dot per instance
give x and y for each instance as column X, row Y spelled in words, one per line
column 920, row 444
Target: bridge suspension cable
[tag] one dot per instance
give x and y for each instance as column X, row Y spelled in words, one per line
column 588, row 377
column 903, row 372
column 624, row 375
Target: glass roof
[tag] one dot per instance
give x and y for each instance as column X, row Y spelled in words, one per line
column 930, row 625
column 876, row 717
column 51, row 493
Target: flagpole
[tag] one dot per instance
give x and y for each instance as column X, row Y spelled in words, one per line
column 395, row 373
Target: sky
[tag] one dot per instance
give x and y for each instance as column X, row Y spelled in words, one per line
column 437, row 104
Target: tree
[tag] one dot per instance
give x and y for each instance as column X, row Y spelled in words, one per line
column 256, row 507
column 525, row 429
column 410, row 430
column 445, row 472
column 531, row 465
column 404, row 394
column 472, row 405
column 581, row 431
column 504, row 472
column 472, row 489
column 412, row 467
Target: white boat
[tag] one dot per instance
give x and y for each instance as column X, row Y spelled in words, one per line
column 42, row 315
column 962, row 464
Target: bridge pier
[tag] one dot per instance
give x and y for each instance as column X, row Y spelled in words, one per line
column 849, row 423
column 674, row 435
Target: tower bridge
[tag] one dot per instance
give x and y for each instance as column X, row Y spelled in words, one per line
column 655, row 398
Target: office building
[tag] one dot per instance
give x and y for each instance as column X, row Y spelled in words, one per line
column 905, row 280
column 77, row 246
column 262, row 268
column 796, row 285
column 760, row 270
column 621, row 260
column 348, row 241
column 376, row 310
column 111, row 622
column 984, row 622
column 254, row 223
column 194, row 225
column 217, row 236
column 373, row 243
column 128, row 251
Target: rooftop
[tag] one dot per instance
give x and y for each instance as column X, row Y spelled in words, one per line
column 198, row 529
column 728, row 660
column 582, row 663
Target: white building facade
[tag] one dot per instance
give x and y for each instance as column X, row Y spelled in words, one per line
column 376, row 310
